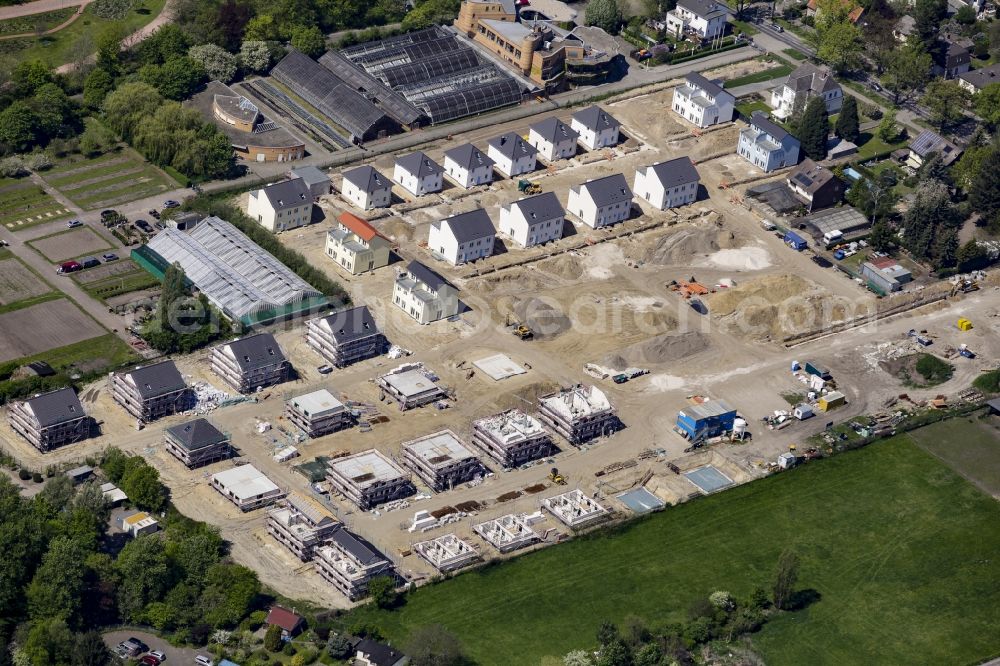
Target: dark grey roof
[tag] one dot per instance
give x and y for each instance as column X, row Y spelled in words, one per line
column 56, row 406
column 512, row 145
column 379, row 654
column 710, row 87
column 358, row 547
column 157, row 379
column 197, row 434
column 351, row 324
column 426, row 275
column 703, row 8
column 288, row 193
column 764, row 124
column 608, row 190
column 539, row 208
column 675, row 172
column 595, row 118
column 360, row 80
column 810, row 176
column 928, row 142
column 554, row 130
column 367, row 179
column 256, row 351
column 468, row 157
column 470, row 226
column 980, row 78
column 310, row 175
column 418, row 164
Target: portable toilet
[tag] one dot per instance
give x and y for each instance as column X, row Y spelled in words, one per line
column 802, row 412
column 964, row 324
column 831, row 400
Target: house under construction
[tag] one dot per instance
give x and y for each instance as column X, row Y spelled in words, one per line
column 574, row 509
column 318, row 413
column 441, row 460
column 507, row 533
column 579, row 414
column 512, row 438
column 447, row 552
column 369, row 478
column 410, row 388
column 302, row 524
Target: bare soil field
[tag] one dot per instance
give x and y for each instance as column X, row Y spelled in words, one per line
column 38, row 328
column 70, row 244
column 18, row 283
column 106, row 270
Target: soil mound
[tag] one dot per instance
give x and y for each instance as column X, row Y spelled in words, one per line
column 684, row 245
column 544, row 319
column 661, row 349
column 565, row 266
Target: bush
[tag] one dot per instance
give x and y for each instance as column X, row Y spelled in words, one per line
column 36, row 477
column 272, row 639
column 23, row 474
column 988, row 382
column 289, row 650
column 933, row 369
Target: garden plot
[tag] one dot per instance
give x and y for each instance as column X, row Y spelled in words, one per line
column 114, row 279
column 24, row 204
column 42, row 327
column 18, row 283
column 70, row 244
column 108, row 180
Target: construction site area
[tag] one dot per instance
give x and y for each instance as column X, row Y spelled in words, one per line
column 468, row 442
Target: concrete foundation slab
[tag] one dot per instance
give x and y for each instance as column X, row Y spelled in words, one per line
column 708, row 479
column 499, row 367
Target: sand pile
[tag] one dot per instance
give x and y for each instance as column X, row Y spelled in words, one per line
column 775, row 306
column 749, row 258
column 544, row 319
column 768, row 290
column 661, row 349
column 565, row 266
column 396, row 229
column 521, row 280
column 684, row 244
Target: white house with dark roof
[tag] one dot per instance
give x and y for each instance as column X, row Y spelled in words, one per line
column 424, row 295
column 418, row 174
column 705, row 18
column 597, row 128
column 668, row 184
column 767, row 145
column 50, row 420
column 601, row 202
column 468, row 166
column 152, row 391
column 533, row 220
column 196, row 443
column 250, row 363
column 805, row 82
column 366, row 188
column 703, row 102
column 315, row 179
column 553, row 139
column 464, row 237
column 977, row 79
column 512, row 154
column 346, row 336
column 930, row 143
column 281, row 206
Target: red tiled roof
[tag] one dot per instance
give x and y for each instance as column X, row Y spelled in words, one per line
column 883, row 262
column 284, row 618
column 359, row 227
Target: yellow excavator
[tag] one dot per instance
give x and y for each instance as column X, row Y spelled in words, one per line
column 556, row 477
column 523, row 332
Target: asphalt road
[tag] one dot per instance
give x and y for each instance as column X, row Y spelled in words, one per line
column 175, row 655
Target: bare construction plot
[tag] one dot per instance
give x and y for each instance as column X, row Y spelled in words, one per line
column 18, row 283
column 42, row 327
column 70, row 244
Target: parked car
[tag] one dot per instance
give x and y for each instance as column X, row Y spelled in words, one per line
column 72, row 224
column 159, row 655
column 68, row 267
column 153, row 213
column 110, row 212
column 822, row 262
column 109, row 256
column 144, row 225
column 202, row 660
column 135, row 641
column 324, row 369
column 149, row 660
column 90, row 262
column 170, row 203
column 159, row 225
column 777, row 28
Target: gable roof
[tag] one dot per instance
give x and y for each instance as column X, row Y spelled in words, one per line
column 255, row 351
column 608, row 190
column 55, row 407
column 539, row 208
column 595, row 118
column 418, row 164
column 699, row 81
column 512, row 145
column 955, row 54
column 468, row 157
column 809, row 77
column 310, row 175
column 358, row 547
column 470, row 226
column 367, row 179
column 157, row 379
column 377, row 653
column 351, row 324
column 287, row 193
column 703, row 8
column 284, row 618
column 764, row 124
column 554, row 130
column 928, row 142
column 426, row 275
column 810, row 176
column 196, row 434
column 358, row 226
column 675, row 172
column 980, row 78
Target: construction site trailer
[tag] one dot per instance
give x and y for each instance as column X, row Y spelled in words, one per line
column 707, row 419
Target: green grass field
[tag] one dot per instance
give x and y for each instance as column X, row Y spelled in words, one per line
column 24, row 204
column 107, row 180
column 759, row 77
column 795, row 54
column 746, row 109
column 103, row 351
column 36, row 22
column 970, row 446
column 899, row 548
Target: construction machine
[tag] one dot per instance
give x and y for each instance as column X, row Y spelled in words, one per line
column 523, row 332
column 556, row 477
column 525, row 186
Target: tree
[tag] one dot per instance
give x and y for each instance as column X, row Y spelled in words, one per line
column 57, row 493
column 262, row 28
column 382, row 590
column 785, row 577
column 339, row 646
column 57, row 586
column 232, row 18
column 96, row 139
column 168, row 41
column 888, row 130
column 219, row 64
column 929, row 222
column 255, row 56
column 578, row 658
column 230, row 590
column 967, row 168
column 272, row 638
column 195, row 553
column 840, row 46
column 431, row 12
column 986, row 103
column 96, row 87
column 615, row 653
column 49, row 642
column 89, row 650
column 129, row 103
column 984, row 191
column 881, row 237
column 176, row 79
column 928, row 16
column 143, row 573
column 907, row 70
column 607, row 633
column 433, row 645
column 848, row 125
column 965, row 15
column 650, row 654
column 17, row 128
column 605, row 14
column 109, row 48
column 945, row 100
column 114, row 463
column 814, row 129
column 309, row 40
column 29, row 76
column 143, row 487
column 972, row 256
column 55, row 114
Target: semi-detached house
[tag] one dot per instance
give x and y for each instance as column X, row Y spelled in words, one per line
column 468, row 166
column 464, row 237
column 705, row 18
column 366, row 188
column 767, row 145
column 424, row 295
column 533, row 220
column 282, row 206
column 703, row 102
column 601, row 202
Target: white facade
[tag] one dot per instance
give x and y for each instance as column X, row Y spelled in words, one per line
column 703, row 105
column 601, row 203
column 806, row 82
column 468, row 167
column 705, row 19
column 424, row 295
column 513, row 155
column 447, row 239
column 528, row 224
column 665, row 187
column 553, row 140
column 767, row 146
column 593, row 139
column 418, row 176
column 366, row 188
column 261, row 209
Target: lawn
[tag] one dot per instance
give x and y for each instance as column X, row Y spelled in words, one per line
column 107, row 180
column 969, row 445
column 795, row 54
column 77, row 41
column 24, row 204
column 746, row 109
column 36, row 22
column 869, row 145
column 900, row 550
column 104, row 351
column 759, row 77
column 744, row 27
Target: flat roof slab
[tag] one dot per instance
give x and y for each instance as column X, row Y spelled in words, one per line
column 410, row 382
column 499, row 367
column 708, row 479
column 641, row 500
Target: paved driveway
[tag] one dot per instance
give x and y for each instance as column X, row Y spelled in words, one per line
column 175, row 656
